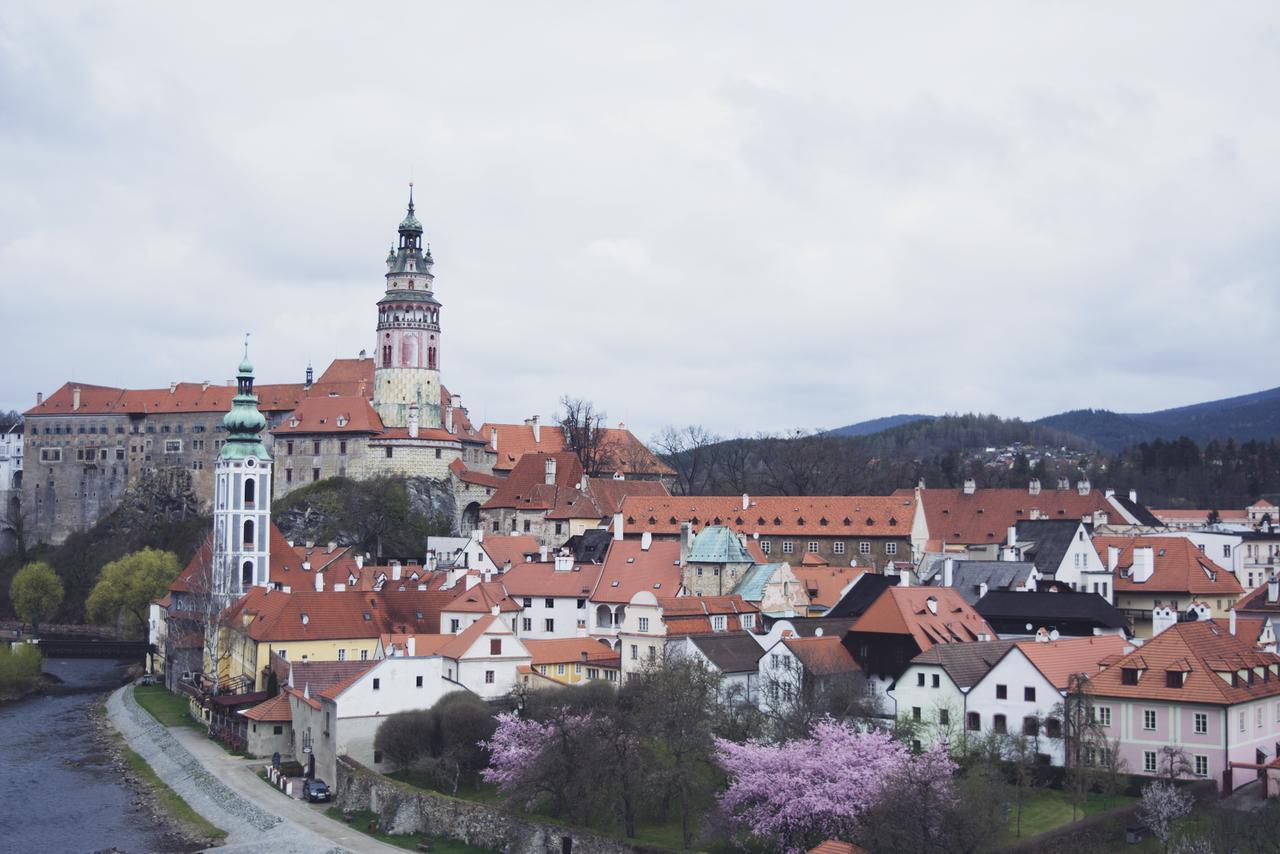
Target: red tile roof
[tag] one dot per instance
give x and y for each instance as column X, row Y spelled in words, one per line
column 825, row 655
column 628, row 569
column 906, row 611
column 481, row 599
column 1180, row 567
column 691, row 615
column 278, row 617
column 1201, row 650
column 466, row 475
column 819, row 516
column 542, row 579
column 333, row 690
column 1059, row 659
column 627, row 453
column 347, row 415
column 274, row 709
column 569, row 650
column 526, row 487
column 985, row 516
column 513, row 548
column 825, row 584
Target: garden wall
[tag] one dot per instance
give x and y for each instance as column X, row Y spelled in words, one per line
column 402, row 808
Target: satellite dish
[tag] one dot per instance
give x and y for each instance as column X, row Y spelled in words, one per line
column 817, row 633
column 1053, row 634
column 853, row 562
column 1030, row 627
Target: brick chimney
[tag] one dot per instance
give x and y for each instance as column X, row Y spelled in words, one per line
column 75, row 398
column 551, row 471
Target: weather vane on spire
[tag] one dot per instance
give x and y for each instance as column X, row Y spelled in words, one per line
column 410, row 197
column 246, row 345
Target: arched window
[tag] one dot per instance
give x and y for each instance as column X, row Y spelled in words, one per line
column 431, row 357
column 248, row 533
column 246, row 574
column 250, row 488
column 386, row 356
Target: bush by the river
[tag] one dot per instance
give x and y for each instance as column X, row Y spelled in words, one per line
column 19, row 668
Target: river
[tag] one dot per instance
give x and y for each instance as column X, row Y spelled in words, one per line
column 58, row 789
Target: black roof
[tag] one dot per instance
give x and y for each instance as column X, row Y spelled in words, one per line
column 1050, row 539
column 1138, row 511
column 590, row 546
column 732, row 652
column 1039, row 607
column 858, row 598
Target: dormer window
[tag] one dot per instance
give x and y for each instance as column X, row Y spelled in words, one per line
column 1129, row 676
column 1174, row 678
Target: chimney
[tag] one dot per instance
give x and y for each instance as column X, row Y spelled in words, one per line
column 1083, row 487
column 1144, row 564
column 542, row 554
column 410, row 647
column 982, row 589
column 395, row 570
column 746, row 501
column 1013, row 535
column 551, row 471
column 173, row 387
column 75, row 398
column 1113, row 558
column 617, row 525
column 646, row 540
column 1133, row 496
column 413, row 421
column 537, row 430
column 493, row 437
column 1033, row 488
column 970, row 486
column 948, row 572
column 448, row 417
column 471, row 581
column 564, row 563
column 319, row 582
column 39, row 398
column 306, row 566
column 359, row 561
column 1231, row 620
column 310, row 377
column 686, row 540
column 1273, row 588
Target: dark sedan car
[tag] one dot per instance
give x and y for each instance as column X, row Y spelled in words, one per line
column 315, row 791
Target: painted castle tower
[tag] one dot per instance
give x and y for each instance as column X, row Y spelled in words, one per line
column 407, row 376
column 242, row 494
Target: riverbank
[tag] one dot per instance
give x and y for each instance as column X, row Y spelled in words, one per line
column 42, row 684
column 184, row 829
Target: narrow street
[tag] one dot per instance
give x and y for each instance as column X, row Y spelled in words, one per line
column 226, row 790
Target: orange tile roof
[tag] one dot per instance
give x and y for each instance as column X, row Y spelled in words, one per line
column 833, row 846
column 512, row 548
column 628, row 453
column 349, row 415
column 542, row 579
column 985, row 516
column 1180, row 567
column 332, row 691
column 691, row 615
column 628, row 569
column 348, row 371
column 481, row 599
column 1207, row 649
column 819, row 516
column 906, row 611
column 825, row 655
column 609, row 494
column 1059, row 659
column 274, row 709
column 330, row 615
column 526, row 487
column 569, row 650
column 466, row 475
column 825, row 584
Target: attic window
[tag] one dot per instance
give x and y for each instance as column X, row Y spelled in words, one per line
column 657, row 586
column 716, row 521
column 614, row 584
column 418, row 614
column 823, row 521
column 305, row 618
column 1128, row 676
column 673, row 520
column 368, row 616
column 630, row 560
column 1018, row 512
column 652, row 521
column 848, row 521
column 1160, row 553
column 946, row 511
column 631, row 520
column 777, row 521
column 738, row 521
column 893, row 522
column 870, row 521
column 981, row 511
column 1173, row 678
column 760, row 520
column 800, row 521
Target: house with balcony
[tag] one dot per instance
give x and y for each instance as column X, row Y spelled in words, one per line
column 553, row 597
column 1166, row 573
column 632, row 566
column 574, row 661
column 650, row 623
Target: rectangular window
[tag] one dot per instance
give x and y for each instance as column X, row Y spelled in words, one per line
column 787, row 547
column 915, row 713
column 812, row 547
column 488, row 677
column 1104, row 715
column 1201, row 723
column 559, row 669
column 418, row 682
column 1201, row 765
column 582, row 603
column 944, row 717
column 1242, row 721
column 377, row 684
column 644, row 624
column 891, row 548
column 364, row 655
column 526, row 624
column 288, row 475
column 342, row 655
column 495, row 646
column 593, row 673
column 1258, row 716
column 390, row 449
column 973, row 722
column 998, row 724
column 173, row 446
column 315, row 475
column 528, row 602
column 551, row 625
column 342, row 446
column 437, row 453
column 717, row 624
column 528, row 526
column 1029, row 694
column 766, row 546
column 748, row 621
column 920, row 679
column 864, row 548
column 550, row 603
column 1002, row 692
column 1148, row 719
column 454, row 626
column 559, row 526
column 937, row 681
column 1030, row 725
column 277, row 730
column 288, row 448
column 315, row 447
column 635, row 652
column 837, row 548
column 50, row 455
column 1149, row 761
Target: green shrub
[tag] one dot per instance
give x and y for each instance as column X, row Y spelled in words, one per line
column 19, row 667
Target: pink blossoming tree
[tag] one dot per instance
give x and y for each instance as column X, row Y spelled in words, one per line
column 796, row 794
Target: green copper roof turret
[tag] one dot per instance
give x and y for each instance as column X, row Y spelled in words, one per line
column 244, row 422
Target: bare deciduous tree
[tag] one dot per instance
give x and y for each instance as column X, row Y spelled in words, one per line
column 585, row 434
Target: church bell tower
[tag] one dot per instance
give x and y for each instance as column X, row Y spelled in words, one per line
column 407, row 354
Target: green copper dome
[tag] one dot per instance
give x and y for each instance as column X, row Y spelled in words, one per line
column 410, row 222
column 244, row 422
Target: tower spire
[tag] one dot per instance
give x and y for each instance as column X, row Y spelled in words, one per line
column 410, row 197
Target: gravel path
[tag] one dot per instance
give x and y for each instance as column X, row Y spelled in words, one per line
column 226, row 790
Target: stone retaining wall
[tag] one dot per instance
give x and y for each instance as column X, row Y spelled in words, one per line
column 405, row 809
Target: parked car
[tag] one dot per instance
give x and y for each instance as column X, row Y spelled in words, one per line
column 315, row 791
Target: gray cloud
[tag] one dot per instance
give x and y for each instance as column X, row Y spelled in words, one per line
column 744, row 216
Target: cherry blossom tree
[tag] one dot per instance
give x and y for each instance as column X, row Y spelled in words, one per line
column 1162, row 805
column 795, row 794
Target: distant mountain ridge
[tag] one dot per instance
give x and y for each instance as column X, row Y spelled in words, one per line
column 1245, row 417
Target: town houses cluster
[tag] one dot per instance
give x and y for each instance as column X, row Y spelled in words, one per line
column 962, row 611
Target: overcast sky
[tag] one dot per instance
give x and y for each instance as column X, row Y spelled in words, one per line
column 748, row 217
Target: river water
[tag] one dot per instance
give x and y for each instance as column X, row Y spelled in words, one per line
column 58, row 789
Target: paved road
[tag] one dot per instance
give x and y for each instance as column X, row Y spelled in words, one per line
column 226, row 790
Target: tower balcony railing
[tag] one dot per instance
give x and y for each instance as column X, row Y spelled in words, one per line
column 409, row 324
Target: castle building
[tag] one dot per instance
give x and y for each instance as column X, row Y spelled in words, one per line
column 382, row 414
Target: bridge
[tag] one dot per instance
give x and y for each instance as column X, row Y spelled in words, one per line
column 121, row 650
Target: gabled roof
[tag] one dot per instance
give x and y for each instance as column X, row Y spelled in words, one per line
column 609, row 493
column 1180, row 567
column 1258, row 602
column 796, row 516
column 513, row 548
column 620, row 449
column 274, row 709
column 690, row 615
column 1059, row 659
column 478, row 478
column 861, row 595
column 277, row 617
column 965, row 663
column 542, row 579
column 344, row 415
column 1049, row 540
column 570, row 650
column 984, row 516
column 481, row 599
column 968, row 576
column 825, row 584
column 908, row 611
column 526, row 487
column 1209, row 650
column 629, row 568
column 823, row 655
column 333, row 690
column 1045, row 608
column 751, row 585
column 730, row 652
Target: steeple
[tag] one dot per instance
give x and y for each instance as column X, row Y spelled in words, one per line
column 244, row 422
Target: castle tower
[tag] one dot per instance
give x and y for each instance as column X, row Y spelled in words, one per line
column 242, row 494
column 408, row 348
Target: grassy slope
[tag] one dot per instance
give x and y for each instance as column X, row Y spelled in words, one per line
column 410, row 841
column 1045, row 809
column 166, row 707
